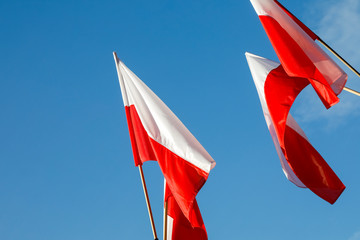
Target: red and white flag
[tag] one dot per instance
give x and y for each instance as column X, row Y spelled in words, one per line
column 300, row 161
column 300, row 56
column 157, row 134
column 177, row 226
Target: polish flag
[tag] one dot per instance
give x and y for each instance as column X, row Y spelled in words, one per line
column 300, row 161
column 157, row 134
column 178, row 226
column 300, row 56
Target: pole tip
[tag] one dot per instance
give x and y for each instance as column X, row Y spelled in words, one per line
column 116, row 57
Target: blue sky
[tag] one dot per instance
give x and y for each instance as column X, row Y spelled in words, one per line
column 66, row 165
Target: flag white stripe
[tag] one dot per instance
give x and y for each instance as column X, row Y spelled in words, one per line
column 170, row 223
column 260, row 68
column 121, row 81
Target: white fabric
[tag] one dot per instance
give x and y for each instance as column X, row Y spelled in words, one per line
column 160, row 122
column 170, row 223
column 334, row 75
column 169, row 220
column 260, row 68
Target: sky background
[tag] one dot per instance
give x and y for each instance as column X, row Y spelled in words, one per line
column 66, row 165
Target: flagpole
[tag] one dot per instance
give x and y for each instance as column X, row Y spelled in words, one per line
column 338, row 56
column 352, row 91
column 165, row 219
column 147, row 202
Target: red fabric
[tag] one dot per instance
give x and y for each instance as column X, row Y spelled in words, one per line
column 140, row 141
column 308, row 165
column 183, row 178
column 295, row 61
column 303, row 26
column 181, row 228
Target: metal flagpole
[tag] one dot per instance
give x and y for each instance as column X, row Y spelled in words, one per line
column 122, row 85
column 147, row 202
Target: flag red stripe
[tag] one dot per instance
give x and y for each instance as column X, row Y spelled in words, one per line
column 302, row 25
column 296, row 62
column 181, row 227
column 311, row 168
column 139, row 139
column 183, row 178
column 308, row 165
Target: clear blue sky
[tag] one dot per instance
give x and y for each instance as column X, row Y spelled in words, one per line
column 66, row 165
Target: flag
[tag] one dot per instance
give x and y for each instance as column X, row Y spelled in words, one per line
column 178, row 226
column 300, row 161
column 300, row 56
column 157, row 134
